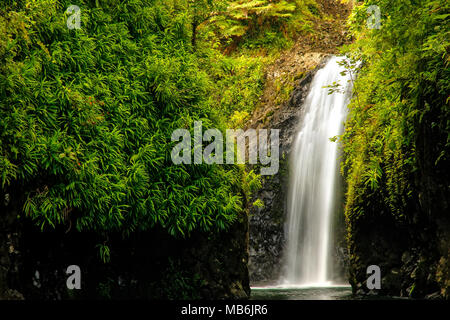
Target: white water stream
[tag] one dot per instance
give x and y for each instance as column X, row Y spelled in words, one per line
column 313, row 180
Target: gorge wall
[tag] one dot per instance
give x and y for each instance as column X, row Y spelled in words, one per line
column 147, row 265
column 413, row 252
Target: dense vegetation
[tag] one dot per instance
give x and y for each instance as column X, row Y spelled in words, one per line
column 87, row 114
column 397, row 135
column 405, row 80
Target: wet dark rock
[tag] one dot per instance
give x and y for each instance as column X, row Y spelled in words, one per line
column 9, row 247
column 413, row 252
column 148, row 265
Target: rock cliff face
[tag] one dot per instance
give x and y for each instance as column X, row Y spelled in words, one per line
column 413, row 253
column 148, row 265
column 9, row 247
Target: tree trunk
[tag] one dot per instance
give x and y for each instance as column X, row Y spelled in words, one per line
column 194, row 33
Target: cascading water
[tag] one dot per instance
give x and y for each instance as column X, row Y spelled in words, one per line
column 314, row 171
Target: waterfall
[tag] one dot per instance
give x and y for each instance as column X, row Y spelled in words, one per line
column 313, row 179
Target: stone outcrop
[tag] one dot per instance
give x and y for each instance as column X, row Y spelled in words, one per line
column 146, row 265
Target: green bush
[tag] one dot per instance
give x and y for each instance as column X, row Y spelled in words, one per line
column 401, row 89
column 87, row 115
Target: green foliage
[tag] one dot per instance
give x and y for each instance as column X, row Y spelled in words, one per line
column 238, row 83
column 258, row 30
column 258, row 203
column 251, row 183
column 238, row 119
column 104, row 252
column 87, row 116
column 263, row 23
column 402, row 95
